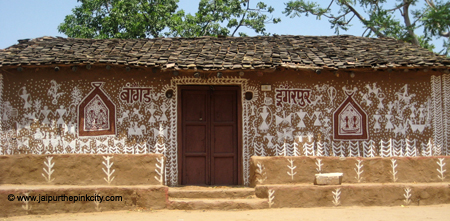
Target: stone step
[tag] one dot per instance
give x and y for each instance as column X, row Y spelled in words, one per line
column 217, row 204
column 212, row 192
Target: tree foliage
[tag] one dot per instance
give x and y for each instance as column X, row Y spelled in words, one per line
column 118, row 18
column 381, row 18
column 222, row 17
column 155, row 18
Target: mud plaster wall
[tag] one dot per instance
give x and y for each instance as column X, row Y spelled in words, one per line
column 280, row 170
column 149, row 197
column 81, row 169
column 406, row 113
column 363, row 195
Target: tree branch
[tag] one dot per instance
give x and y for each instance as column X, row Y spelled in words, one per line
column 430, row 3
column 207, row 24
column 414, row 40
column 377, row 32
column 242, row 19
column 330, row 4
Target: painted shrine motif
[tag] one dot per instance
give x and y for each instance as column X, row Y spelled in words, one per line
column 97, row 114
column 350, row 121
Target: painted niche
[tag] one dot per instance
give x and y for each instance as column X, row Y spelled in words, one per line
column 350, row 121
column 96, row 113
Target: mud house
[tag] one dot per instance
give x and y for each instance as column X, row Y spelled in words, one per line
column 209, row 104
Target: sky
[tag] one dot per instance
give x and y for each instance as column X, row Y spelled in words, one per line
column 28, row 19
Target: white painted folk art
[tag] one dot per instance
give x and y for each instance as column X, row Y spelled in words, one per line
column 49, row 170
column 271, row 193
column 45, row 118
column 407, row 196
column 441, row 169
column 160, row 170
column 260, row 171
column 359, row 170
column 291, row 167
column 336, row 197
column 394, row 170
column 108, row 172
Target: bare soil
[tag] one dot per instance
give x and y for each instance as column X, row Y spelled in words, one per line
column 434, row 212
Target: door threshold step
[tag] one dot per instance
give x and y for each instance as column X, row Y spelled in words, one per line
column 208, row 192
column 217, row 204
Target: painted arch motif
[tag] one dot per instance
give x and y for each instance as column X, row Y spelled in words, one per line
column 97, row 113
column 350, row 121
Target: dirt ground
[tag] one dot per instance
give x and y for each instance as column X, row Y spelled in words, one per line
column 435, row 212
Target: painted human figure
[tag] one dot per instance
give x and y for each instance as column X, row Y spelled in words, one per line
column 376, row 117
column 124, row 115
column 7, row 109
column 413, row 109
column 421, row 113
column 136, row 113
column 326, row 121
column 46, row 140
column 25, row 97
column 70, row 128
column 301, row 114
column 61, row 112
column 163, row 117
column 92, row 121
column 317, row 114
column 38, row 135
column 46, row 112
column 264, row 127
column 53, row 91
column 54, row 140
column 152, row 110
column 267, row 100
column 331, row 94
column 366, row 99
column 389, row 126
column 102, row 119
column 380, row 97
column 269, row 138
column 374, row 89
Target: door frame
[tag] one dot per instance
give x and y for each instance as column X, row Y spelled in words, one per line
column 180, row 131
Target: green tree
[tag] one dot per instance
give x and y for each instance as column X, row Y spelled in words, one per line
column 382, row 18
column 118, row 18
column 149, row 18
column 222, row 17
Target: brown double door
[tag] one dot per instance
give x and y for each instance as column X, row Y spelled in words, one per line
column 209, row 142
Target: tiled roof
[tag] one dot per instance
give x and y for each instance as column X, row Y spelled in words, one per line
column 210, row 53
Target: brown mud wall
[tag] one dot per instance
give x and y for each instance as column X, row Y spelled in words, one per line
column 84, row 169
column 375, row 170
column 356, row 195
column 149, row 197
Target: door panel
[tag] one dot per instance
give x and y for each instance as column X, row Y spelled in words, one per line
column 224, row 170
column 223, row 139
column 196, row 174
column 209, row 148
column 224, row 104
column 196, row 139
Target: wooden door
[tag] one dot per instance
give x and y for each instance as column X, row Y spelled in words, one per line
column 209, row 135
